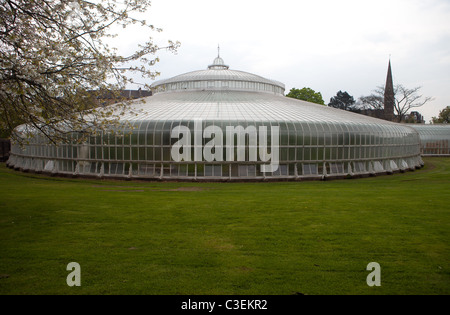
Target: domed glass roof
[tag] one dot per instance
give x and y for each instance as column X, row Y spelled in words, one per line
column 218, row 76
column 224, row 124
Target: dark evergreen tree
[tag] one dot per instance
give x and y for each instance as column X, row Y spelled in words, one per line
column 343, row 100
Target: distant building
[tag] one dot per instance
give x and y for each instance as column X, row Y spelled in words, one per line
column 134, row 94
column 414, row 118
column 109, row 97
column 376, row 113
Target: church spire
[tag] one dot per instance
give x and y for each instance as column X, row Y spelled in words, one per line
column 389, row 97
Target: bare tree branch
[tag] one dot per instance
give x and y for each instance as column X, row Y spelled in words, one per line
column 405, row 100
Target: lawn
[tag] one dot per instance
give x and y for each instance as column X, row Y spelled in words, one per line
column 226, row 238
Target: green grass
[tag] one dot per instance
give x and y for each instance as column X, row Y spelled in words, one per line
column 226, row 238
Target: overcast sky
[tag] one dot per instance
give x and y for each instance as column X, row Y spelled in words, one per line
column 326, row 45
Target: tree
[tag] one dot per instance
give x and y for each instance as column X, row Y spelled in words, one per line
column 373, row 102
column 343, row 100
column 54, row 55
column 372, row 105
column 306, row 94
column 443, row 118
column 405, row 100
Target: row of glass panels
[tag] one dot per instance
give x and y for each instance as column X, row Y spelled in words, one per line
column 221, row 85
column 291, row 134
column 163, row 153
column 143, row 149
column 152, row 141
column 200, row 170
column 435, row 139
column 436, row 148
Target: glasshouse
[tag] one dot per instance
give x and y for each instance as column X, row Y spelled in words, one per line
column 435, row 139
column 220, row 124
